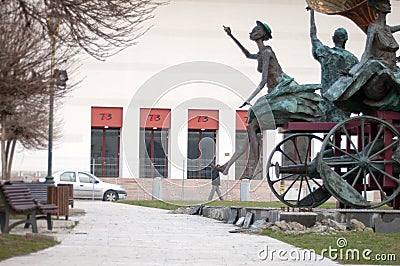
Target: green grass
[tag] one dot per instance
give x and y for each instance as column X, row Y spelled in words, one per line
column 173, row 205
column 151, row 203
column 14, row 245
column 380, row 244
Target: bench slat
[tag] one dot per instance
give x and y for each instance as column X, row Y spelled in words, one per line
column 18, row 199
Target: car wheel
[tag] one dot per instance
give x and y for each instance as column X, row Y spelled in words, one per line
column 110, row 196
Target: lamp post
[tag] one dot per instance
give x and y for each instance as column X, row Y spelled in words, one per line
column 52, row 22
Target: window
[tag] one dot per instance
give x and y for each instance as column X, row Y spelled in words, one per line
column 106, row 127
column 105, row 152
column 85, row 178
column 241, row 164
column 201, row 152
column 202, row 128
column 68, row 177
column 154, row 153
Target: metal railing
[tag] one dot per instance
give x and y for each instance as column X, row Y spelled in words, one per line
column 104, row 166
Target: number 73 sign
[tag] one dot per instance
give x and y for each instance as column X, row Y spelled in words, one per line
column 107, row 117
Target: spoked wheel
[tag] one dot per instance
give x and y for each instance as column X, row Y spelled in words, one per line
column 291, row 172
column 361, row 173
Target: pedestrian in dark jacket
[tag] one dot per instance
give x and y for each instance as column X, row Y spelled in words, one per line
column 215, row 184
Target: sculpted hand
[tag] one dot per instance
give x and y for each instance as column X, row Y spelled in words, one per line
column 227, row 30
column 244, row 104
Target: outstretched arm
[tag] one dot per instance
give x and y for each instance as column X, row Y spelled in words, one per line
column 244, row 50
column 315, row 42
column 313, row 28
column 395, row 28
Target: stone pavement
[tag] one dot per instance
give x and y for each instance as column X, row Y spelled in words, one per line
column 118, row 234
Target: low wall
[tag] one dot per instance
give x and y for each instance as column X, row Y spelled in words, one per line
column 194, row 189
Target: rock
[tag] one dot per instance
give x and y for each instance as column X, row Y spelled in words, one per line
column 219, row 213
column 233, row 216
column 295, row 226
column 237, row 230
column 266, row 226
column 248, row 220
column 325, row 222
column 320, row 229
column 195, row 210
column 240, row 221
column 282, row 225
column 257, row 225
column 336, row 225
column 356, row 225
column 275, row 229
column 368, row 229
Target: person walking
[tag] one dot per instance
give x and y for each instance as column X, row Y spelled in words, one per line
column 215, row 181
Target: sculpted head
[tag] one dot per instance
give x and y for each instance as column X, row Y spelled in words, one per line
column 261, row 31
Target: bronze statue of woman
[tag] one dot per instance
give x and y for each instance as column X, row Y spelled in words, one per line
column 373, row 83
column 286, row 99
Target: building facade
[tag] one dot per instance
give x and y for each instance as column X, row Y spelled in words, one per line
column 168, row 107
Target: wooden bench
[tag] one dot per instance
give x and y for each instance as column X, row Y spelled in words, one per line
column 42, row 193
column 16, row 199
column 38, row 190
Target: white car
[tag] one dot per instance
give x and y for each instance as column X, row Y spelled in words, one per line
column 88, row 186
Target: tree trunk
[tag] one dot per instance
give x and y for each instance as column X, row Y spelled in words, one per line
column 3, row 147
column 10, row 156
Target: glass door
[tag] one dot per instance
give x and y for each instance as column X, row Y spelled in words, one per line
column 104, row 161
column 201, row 152
column 154, row 153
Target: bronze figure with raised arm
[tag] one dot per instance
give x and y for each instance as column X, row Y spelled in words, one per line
column 286, row 99
column 335, row 61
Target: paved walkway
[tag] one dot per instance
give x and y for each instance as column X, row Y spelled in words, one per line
column 119, row 234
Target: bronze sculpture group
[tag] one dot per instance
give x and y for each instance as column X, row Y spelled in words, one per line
column 347, row 85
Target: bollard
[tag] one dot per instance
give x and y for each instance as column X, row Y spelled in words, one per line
column 245, row 190
column 157, row 188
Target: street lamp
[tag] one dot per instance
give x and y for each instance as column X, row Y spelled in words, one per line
column 53, row 22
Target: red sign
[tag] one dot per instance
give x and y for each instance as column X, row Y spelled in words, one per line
column 107, row 117
column 155, row 118
column 203, row 119
column 242, row 118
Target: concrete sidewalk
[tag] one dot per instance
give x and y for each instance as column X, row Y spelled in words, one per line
column 119, row 234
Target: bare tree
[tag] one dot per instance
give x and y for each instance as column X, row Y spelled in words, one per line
column 101, row 28
column 36, row 36
column 24, row 86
